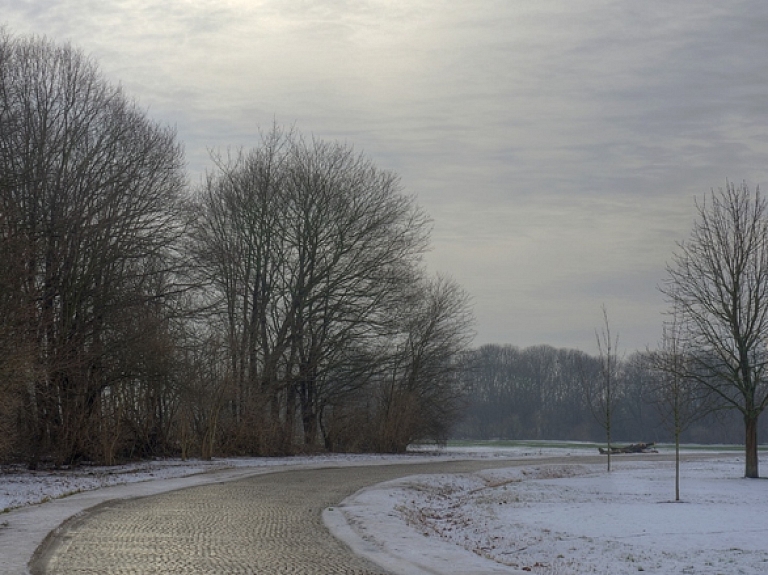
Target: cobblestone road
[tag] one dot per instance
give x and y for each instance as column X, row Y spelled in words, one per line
column 268, row 524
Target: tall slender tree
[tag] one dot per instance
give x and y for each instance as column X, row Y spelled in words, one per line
column 602, row 392
column 679, row 401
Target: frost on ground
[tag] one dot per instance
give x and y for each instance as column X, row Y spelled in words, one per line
column 20, row 487
column 576, row 519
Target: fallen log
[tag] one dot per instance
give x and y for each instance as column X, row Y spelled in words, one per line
column 633, row 448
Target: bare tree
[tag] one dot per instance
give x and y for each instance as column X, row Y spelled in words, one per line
column 673, row 390
column 718, row 281
column 93, row 188
column 421, row 395
column 307, row 245
column 355, row 240
column 16, row 345
column 241, row 249
column 602, row 392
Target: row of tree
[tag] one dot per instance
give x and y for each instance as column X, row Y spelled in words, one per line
column 546, row 393
column 281, row 305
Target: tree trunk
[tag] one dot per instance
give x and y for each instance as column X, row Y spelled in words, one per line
column 307, row 399
column 608, row 424
column 750, row 424
column 289, row 424
column 677, row 464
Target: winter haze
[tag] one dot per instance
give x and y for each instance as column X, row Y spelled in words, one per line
column 557, row 145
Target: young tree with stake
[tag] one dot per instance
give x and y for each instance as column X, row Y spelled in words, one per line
column 602, row 392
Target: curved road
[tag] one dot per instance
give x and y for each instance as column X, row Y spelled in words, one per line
column 268, row 524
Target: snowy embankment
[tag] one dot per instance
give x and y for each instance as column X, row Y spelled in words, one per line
column 572, row 519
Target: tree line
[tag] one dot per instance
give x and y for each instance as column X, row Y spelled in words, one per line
column 542, row 393
column 279, row 306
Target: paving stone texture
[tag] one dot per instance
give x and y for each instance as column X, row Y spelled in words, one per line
column 266, row 524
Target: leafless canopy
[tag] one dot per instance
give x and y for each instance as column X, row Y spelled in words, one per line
column 282, row 306
column 718, row 283
column 313, row 256
column 89, row 194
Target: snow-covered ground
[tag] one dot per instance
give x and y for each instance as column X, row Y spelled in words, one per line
column 569, row 519
column 562, row 519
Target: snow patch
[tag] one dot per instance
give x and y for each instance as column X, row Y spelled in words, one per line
column 573, row 519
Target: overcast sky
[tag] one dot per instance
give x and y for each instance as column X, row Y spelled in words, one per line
column 558, row 145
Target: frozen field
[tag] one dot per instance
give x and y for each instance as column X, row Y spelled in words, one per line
column 572, row 519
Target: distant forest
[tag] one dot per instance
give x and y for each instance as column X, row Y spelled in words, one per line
column 539, row 393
